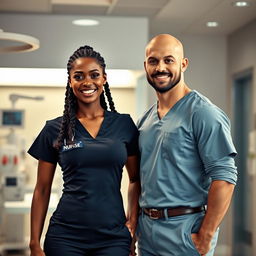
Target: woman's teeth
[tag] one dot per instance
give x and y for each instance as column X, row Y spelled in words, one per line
column 88, row 91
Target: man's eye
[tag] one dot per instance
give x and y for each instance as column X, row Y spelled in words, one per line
column 152, row 62
column 168, row 61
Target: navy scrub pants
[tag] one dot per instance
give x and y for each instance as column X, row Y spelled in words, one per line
column 170, row 236
column 58, row 246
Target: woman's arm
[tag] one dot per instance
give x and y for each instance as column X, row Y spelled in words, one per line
column 40, row 204
column 132, row 167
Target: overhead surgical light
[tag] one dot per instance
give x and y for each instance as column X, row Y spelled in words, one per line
column 27, row 43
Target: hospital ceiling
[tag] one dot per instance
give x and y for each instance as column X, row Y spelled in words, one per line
column 165, row 16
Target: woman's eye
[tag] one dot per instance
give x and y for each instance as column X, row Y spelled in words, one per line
column 95, row 75
column 78, row 77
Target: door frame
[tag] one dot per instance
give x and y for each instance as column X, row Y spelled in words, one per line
column 246, row 74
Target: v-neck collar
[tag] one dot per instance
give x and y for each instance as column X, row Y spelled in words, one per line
column 83, row 129
column 175, row 106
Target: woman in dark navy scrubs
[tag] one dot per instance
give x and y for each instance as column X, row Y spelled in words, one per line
column 92, row 145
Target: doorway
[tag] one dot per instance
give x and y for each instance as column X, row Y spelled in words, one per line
column 243, row 196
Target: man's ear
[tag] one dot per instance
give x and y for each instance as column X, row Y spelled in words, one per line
column 184, row 64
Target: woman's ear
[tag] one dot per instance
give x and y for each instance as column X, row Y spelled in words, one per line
column 105, row 78
column 69, row 82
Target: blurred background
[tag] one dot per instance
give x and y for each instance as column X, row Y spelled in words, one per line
column 38, row 36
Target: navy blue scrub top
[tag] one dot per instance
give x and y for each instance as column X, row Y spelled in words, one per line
column 91, row 202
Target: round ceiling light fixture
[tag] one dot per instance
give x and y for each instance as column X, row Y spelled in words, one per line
column 241, row 3
column 28, row 43
column 212, row 24
column 85, row 22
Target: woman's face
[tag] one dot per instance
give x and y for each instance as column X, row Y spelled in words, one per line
column 87, row 80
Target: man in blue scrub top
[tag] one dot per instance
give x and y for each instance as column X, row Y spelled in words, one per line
column 188, row 172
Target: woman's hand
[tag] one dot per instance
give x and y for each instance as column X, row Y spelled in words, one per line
column 37, row 251
column 131, row 225
column 133, row 246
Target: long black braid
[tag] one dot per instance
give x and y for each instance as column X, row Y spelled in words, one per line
column 67, row 129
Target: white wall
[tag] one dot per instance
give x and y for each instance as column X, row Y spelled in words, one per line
column 242, row 53
column 207, row 66
column 120, row 40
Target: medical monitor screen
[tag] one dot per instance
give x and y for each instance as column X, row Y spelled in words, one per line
column 11, row 181
column 11, row 118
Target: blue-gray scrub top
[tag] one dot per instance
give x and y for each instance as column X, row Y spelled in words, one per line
column 91, row 207
column 183, row 152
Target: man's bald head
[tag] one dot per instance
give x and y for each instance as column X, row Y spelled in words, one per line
column 163, row 41
column 165, row 63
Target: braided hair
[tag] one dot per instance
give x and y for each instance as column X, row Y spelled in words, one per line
column 67, row 128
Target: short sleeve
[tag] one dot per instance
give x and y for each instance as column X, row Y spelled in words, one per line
column 42, row 148
column 211, row 128
column 132, row 137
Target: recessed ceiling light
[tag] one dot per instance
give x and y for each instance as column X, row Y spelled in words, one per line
column 212, row 24
column 85, row 22
column 241, row 3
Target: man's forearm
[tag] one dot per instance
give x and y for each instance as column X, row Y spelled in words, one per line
column 219, row 199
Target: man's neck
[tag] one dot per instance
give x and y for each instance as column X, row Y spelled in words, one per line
column 168, row 99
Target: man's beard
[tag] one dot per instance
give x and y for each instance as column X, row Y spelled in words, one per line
column 168, row 87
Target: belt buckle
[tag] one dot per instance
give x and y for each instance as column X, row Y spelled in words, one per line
column 153, row 214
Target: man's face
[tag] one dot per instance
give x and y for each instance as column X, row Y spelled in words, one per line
column 163, row 67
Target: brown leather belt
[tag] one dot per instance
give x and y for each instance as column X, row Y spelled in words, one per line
column 155, row 214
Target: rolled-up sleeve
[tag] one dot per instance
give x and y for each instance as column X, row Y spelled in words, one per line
column 223, row 169
column 215, row 145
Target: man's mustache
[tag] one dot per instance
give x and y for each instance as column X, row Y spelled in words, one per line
column 160, row 74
